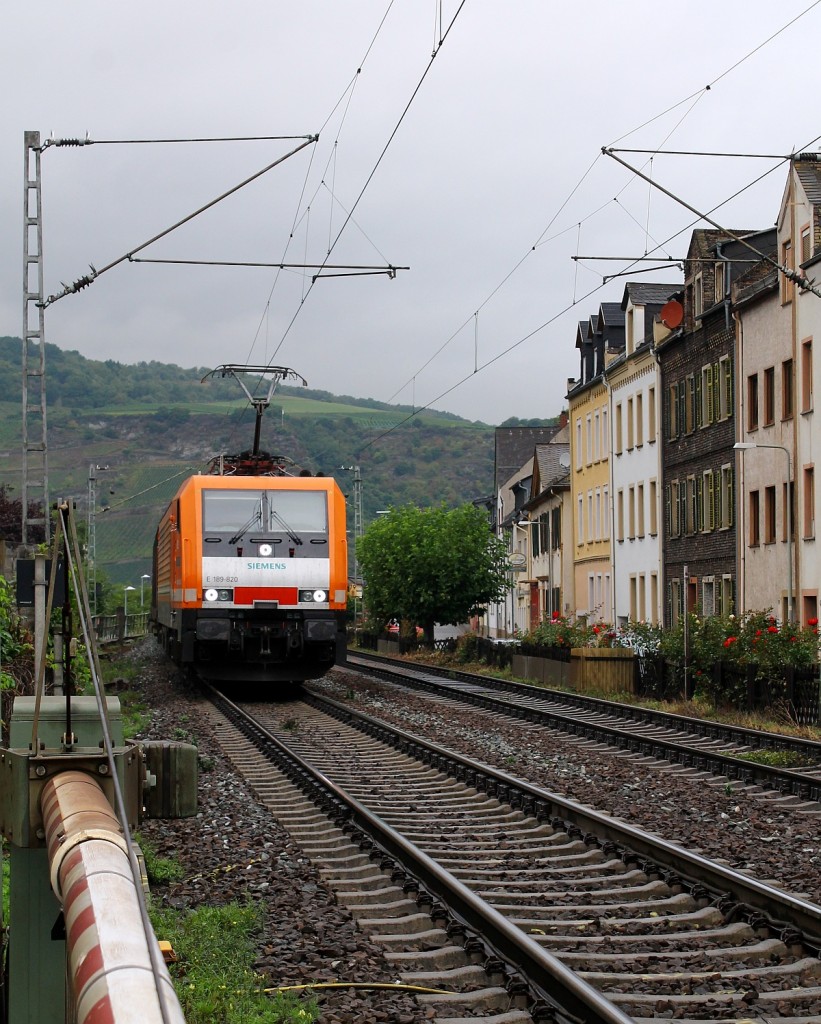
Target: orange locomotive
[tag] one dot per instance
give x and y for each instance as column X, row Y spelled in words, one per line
column 250, row 577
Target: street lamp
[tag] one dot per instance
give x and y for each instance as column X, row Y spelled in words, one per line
column 125, row 598
column 145, row 576
column 743, row 446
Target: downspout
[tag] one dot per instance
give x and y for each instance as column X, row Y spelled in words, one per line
column 109, row 963
column 611, row 510
column 798, row 500
column 660, row 520
column 741, row 504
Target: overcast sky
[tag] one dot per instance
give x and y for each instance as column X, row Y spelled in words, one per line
column 500, row 151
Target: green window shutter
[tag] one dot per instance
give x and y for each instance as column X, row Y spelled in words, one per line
column 709, row 409
column 716, row 392
column 682, row 409
column 730, row 496
column 698, row 400
column 711, row 502
column 668, row 510
column 728, row 369
column 699, row 523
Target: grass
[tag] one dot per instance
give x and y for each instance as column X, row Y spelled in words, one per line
column 213, row 978
column 159, row 870
column 777, row 758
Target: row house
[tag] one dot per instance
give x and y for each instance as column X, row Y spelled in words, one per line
column 691, row 483
column 777, row 322
column 698, row 431
column 633, row 382
column 598, row 340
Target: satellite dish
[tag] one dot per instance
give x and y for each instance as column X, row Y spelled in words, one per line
column 672, row 313
column 564, row 460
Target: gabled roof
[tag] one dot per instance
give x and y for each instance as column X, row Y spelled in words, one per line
column 643, row 293
column 808, row 169
column 514, row 446
column 611, row 315
column 549, row 462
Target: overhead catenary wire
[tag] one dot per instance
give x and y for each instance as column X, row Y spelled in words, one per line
column 88, row 279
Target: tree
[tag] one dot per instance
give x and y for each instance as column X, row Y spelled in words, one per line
column 431, row 565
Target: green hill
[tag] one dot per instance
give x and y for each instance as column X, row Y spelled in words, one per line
column 152, row 424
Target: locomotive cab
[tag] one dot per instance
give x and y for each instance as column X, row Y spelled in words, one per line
column 251, row 577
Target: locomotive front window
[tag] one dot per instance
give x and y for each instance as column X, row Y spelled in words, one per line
column 268, row 511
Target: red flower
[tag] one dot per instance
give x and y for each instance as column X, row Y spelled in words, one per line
column 730, row 640
column 812, row 622
column 772, row 629
column 556, row 615
column 793, row 639
column 596, row 630
column 758, row 632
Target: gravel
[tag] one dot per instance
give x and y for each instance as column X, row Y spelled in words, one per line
column 234, row 850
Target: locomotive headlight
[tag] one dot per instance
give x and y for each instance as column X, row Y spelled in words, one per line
column 226, row 595
column 211, row 594
column 265, row 550
column 319, row 596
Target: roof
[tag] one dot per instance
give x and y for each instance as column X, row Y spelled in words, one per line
column 549, row 459
column 611, row 315
column 808, row 169
column 514, row 446
column 643, row 293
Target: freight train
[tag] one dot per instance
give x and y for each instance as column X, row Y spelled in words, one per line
column 250, row 574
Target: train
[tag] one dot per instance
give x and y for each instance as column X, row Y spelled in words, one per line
column 250, row 574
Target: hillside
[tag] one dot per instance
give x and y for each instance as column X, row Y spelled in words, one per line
column 151, row 424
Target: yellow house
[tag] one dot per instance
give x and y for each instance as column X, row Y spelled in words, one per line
column 598, row 340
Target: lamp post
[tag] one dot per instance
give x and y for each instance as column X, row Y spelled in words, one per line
column 125, row 598
column 743, row 446
column 145, row 576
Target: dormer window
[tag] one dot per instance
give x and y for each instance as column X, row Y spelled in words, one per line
column 630, row 342
column 719, row 281
column 698, row 296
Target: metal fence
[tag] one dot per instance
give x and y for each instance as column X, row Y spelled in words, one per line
column 795, row 692
column 112, row 629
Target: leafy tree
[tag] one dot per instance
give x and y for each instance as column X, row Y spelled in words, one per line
column 431, row 565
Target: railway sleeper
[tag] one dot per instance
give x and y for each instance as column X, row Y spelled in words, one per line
column 805, row 972
column 759, row 1005
column 686, row 959
column 574, row 901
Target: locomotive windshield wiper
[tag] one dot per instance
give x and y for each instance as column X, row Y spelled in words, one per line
column 291, row 535
column 255, row 518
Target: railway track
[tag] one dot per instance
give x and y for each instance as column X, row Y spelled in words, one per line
column 692, row 743
column 515, row 902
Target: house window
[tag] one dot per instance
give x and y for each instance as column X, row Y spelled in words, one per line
column 672, row 412
column 727, row 496
column 580, row 520
column 786, row 390
column 640, row 510
column 654, row 529
column 806, row 244
column 809, row 502
column 596, row 436
column 675, row 601
column 629, row 424
column 690, row 405
column 597, row 533
column 725, row 395
column 752, row 402
column 633, row 598
column 620, row 515
column 605, row 435
column 590, row 523
column 707, row 404
column 709, row 502
column 806, row 375
column 639, row 419
column 618, row 429
column 605, row 523
column 708, row 596
column 726, row 595
column 698, row 296
column 651, row 415
column 787, row 287
column 691, row 513
column 769, row 396
column 654, row 597
column 719, row 281
column 589, row 436
column 769, row 515
column 674, row 512
column 578, row 444
column 630, row 340
column 755, row 519
column 631, row 512
column 642, row 597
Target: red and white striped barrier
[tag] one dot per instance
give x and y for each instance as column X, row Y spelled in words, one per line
column 110, row 966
